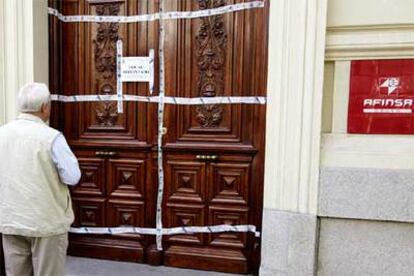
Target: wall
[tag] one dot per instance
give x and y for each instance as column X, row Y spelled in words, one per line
column 295, row 73
column 361, row 247
column 366, row 192
column 295, row 78
column 40, row 42
column 339, row 149
column 369, row 29
column 24, row 55
column 2, row 90
column 342, row 13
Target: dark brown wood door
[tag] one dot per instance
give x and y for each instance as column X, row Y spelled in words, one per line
column 2, row 265
column 216, row 56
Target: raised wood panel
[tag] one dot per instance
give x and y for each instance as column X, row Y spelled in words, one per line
column 89, row 212
column 207, row 258
column 186, row 181
column 106, row 247
column 182, row 215
column 123, row 213
column 229, row 216
column 92, row 181
column 127, row 178
column 230, row 183
column 126, row 213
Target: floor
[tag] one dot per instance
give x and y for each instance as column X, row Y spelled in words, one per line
column 92, row 267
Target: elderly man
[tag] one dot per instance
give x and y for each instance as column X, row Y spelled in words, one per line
column 36, row 165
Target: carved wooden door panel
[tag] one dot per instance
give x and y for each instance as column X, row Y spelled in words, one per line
column 214, row 154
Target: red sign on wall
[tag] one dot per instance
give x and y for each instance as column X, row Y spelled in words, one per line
column 381, row 99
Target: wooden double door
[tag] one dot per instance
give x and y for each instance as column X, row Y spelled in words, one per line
column 213, row 154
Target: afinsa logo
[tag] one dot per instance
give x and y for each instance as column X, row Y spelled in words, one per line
column 389, row 85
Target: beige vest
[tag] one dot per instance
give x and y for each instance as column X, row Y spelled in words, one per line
column 33, row 201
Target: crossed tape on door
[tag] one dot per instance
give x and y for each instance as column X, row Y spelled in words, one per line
column 161, row 99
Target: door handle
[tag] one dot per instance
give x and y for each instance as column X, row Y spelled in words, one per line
column 207, row 157
column 106, row 153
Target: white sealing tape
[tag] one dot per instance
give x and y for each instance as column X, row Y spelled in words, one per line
column 160, row 127
column 166, row 231
column 157, row 16
column 119, row 86
column 156, row 99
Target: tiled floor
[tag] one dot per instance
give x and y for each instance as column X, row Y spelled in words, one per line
column 92, row 267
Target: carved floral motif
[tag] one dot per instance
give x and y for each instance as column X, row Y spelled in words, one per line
column 105, row 63
column 211, row 44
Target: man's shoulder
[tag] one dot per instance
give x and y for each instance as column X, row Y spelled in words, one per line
column 44, row 127
column 51, row 132
column 6, row 127
column 22, row 127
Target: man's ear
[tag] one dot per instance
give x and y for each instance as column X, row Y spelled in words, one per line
column 43, row 108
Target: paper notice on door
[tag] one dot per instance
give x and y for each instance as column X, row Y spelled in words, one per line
column 137, row 69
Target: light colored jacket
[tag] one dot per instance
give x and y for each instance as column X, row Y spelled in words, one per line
column 33, row 201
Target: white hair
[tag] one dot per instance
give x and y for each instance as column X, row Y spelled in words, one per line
column 32, row 96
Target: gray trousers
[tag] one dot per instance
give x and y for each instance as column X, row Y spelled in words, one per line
column 27, row 256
